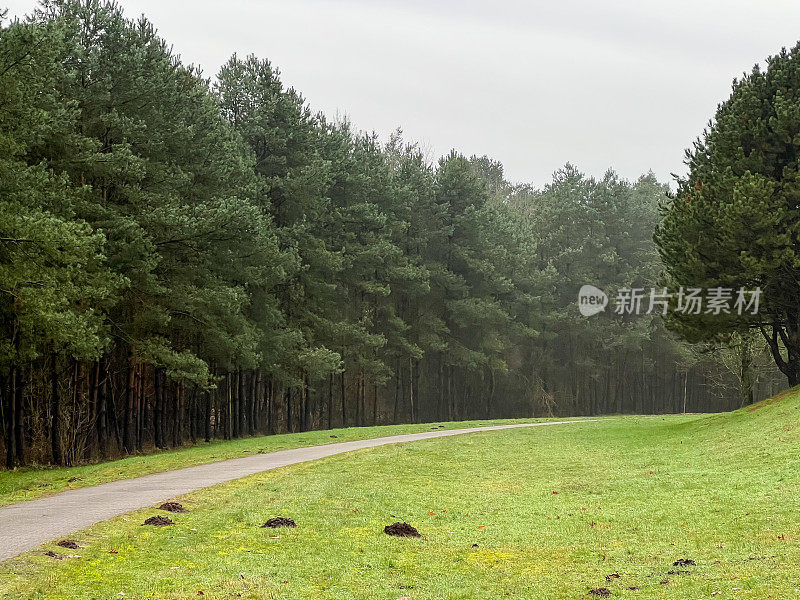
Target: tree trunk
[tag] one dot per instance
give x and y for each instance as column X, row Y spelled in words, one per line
column 235, row 405
column 207, row 417
column 450, row 393
column 270, row 406
column 302, row 408
column 411, row 390
column 19, row 416
column 140, row 408
column 158, row 410
column 55, row 415
column 440, row 405
column 225, row 409
column 396, row 394
column 129, row 433
column 344, row 403
column 791, row 365
column 490, row 397
column 193, row 416
column 308, row 416
column 94, row 378
column 330, row 401
column 242, row 402
column 102, row 407
column 113, row 415
column 7, row 405
column 359, row 385
column 255, row 404
column 289, row 424
column 180, row 410
column 374, row 404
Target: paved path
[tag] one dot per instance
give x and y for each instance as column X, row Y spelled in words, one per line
column 26, row 525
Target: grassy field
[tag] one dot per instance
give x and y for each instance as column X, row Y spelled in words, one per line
column 540, row 514
column 30, row 483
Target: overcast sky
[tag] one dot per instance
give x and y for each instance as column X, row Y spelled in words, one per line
column 532, row 84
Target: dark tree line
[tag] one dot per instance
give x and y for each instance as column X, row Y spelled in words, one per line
column 184, row 260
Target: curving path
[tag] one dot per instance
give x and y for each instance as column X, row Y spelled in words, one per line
column 26, row 525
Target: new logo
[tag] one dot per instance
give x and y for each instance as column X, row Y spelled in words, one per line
column 591, row 300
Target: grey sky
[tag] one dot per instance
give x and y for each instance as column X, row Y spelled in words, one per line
column 627, row 84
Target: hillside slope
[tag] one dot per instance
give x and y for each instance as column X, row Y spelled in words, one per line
column 548, row 513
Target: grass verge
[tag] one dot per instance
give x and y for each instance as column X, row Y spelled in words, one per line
column 548, row 512
column 31, row 483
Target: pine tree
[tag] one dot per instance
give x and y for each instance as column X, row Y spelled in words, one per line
column 54, row 279
column 733, row 222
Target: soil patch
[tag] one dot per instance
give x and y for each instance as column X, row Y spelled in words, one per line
column 601, row 592
column 684, row 562
column 72, row 545
column 679, row 572
column 280, row 522
column 158, row 521
column 52, row 554
column 173, row 507
column 768, row 401
column 401, row 530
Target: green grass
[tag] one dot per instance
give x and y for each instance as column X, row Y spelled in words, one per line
column 553, row 511
column 31, row 483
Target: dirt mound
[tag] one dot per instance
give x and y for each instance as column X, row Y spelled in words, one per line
column 68, row 544
column 158, row 521
column 52, row 554
column 401, row 530
column 679, row 572
column 684, row 562
column 601, row 592
column 280, row 522
column 173, row 507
